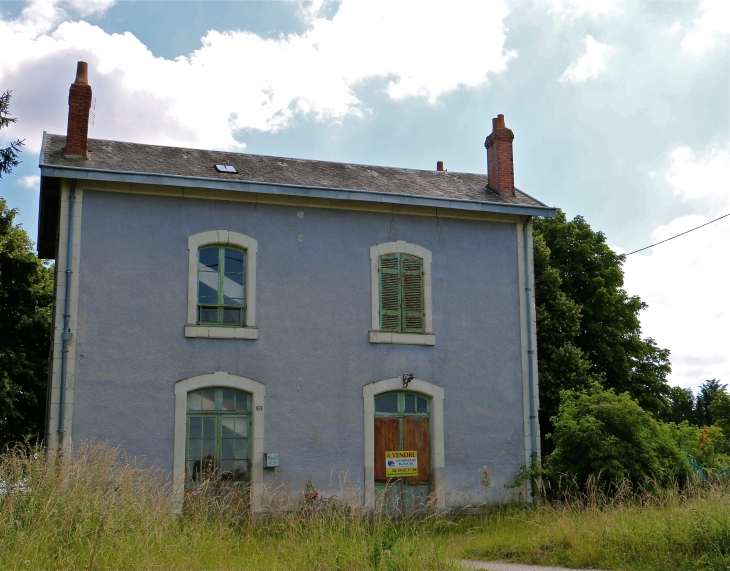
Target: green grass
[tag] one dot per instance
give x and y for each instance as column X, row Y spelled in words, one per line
column 91, row 509
column 663, row 531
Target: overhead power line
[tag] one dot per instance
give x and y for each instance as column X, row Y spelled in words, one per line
column 678, row 235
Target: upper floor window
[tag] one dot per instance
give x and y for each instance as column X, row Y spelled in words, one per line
column 221, row 286
column 401, row 293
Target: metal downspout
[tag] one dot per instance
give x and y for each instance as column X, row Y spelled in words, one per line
column 530, row 360
column 66, row 335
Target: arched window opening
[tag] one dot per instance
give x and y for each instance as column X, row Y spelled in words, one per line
column 218, row 442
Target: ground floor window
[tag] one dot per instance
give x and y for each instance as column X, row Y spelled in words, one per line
column 217, row 443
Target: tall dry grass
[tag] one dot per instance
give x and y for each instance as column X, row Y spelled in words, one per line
column 658, row 530
column 93, row 509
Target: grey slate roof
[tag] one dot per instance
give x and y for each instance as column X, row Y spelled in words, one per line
column 116, row 156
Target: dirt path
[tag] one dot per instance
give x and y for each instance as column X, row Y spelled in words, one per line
column 495, row 566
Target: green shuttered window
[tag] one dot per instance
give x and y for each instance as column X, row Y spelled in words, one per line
column 221, row 286
column 401, row 293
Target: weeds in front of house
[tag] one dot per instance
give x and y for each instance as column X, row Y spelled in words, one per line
column 657, row 530
column 93, row 509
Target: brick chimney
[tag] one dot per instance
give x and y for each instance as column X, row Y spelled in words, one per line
column 79, row 105
column 500, row 166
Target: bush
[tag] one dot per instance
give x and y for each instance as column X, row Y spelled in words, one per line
column 608, row 439
column 706, row 446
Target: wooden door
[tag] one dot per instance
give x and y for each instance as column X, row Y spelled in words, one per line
column 417, row 436
column 387, row 438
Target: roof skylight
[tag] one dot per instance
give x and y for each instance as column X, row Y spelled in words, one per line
column 225, row 168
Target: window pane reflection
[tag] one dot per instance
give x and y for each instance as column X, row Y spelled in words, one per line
column 209, row 399
column 229, row 398
column 208, row 259
column 221, row 301
column 217, row 446
column 195, row 401
column 196, row 424
column 387, row 403
column 410, row 403
column 234, row 261
column 242, row 404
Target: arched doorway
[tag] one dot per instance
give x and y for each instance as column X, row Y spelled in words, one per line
column 216, row 406
column 431, row 421
column 402, row 439
column 218, row 444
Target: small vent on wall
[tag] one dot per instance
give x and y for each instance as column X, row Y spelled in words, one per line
column 225, row 168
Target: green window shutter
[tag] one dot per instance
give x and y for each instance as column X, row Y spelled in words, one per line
column 390, row 302
column 401, row 293
column 412, row 294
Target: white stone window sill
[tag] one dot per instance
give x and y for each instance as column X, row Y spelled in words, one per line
column 212, row 332
column 402, row 338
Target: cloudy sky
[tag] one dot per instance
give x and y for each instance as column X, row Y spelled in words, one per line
column 620, row 108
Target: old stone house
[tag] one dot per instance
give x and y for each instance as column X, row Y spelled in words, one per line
column 272, row 320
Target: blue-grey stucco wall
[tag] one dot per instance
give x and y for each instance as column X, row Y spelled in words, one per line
column 313, row 352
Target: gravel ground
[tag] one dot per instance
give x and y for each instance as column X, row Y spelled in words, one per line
column 495, row 566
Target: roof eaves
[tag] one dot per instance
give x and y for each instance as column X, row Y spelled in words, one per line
column 291, row 189
column 535, row 199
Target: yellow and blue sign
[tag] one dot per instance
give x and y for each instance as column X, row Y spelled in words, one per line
column 401, row 463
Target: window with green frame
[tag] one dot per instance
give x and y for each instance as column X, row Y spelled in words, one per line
column 401, row 293
column 218, row 428
column 401, row 403
column 221, row 286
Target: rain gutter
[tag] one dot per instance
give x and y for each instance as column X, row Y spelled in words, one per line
column 530, row 359
column 66, row 334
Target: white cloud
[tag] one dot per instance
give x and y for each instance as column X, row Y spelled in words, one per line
column 88, row 7
column 32, row 181
column 684, row 281
column 707, row 177
column 241, row 80
column 577, row 8
column 590, row 64
column 711, row 29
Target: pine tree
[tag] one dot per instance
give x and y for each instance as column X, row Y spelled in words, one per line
column 8, row 155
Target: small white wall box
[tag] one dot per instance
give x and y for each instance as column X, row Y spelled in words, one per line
column 271, row 459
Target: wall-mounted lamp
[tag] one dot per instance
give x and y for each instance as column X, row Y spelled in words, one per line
column 407, row 378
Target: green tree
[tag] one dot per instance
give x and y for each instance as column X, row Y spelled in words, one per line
column 8, row 155
column 563, row 366
column 588, row 327
column 707, row 394
column 720, row 411
column 608, row 437
column 26, row 292
column 681, row 406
